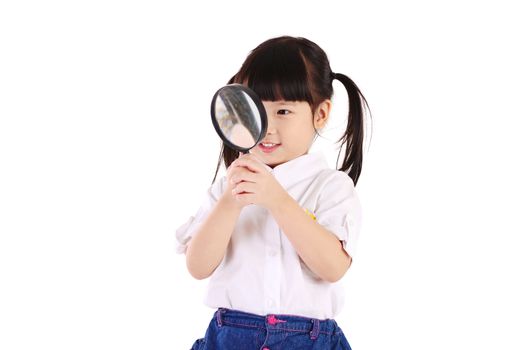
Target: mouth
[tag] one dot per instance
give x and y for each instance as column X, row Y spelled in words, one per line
column 268, row 147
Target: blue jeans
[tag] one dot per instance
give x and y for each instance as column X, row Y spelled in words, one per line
column 234, row 330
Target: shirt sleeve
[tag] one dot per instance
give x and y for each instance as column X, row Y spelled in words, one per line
column 185, row 232
column 338, row 209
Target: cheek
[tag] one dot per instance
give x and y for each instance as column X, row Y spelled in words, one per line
column 299, row 133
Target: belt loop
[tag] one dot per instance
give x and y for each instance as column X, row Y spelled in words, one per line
column 315, row 329
column 219, row 317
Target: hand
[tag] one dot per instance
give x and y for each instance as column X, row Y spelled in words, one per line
column 253, row 183
column 229, row 195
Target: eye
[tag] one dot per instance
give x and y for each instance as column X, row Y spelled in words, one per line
column 283, row 111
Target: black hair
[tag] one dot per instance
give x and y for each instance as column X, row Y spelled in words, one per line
column 296, row 69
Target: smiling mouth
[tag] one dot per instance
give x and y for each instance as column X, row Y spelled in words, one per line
column 268, row 147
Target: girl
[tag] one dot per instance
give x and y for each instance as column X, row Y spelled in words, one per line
column 279, row 230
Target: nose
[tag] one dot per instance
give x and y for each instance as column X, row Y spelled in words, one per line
column 271, row 125
column 271, row 129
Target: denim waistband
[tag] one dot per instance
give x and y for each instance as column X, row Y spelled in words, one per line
column 290, row 323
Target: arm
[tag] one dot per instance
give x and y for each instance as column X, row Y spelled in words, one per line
column 208, row 246
column 319, row 248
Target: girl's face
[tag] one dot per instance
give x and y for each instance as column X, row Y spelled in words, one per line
column 290, row 130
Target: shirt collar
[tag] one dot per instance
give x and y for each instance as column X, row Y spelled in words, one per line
column 298, row 169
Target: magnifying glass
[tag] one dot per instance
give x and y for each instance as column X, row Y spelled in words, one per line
column 239, row 117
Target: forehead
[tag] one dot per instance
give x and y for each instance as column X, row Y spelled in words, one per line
column 281, row 103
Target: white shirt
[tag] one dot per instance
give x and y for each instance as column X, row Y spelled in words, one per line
column 261, row 272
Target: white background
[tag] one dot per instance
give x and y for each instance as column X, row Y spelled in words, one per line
column 106, row 147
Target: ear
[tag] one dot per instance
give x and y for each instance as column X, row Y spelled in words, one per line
column 322, row 113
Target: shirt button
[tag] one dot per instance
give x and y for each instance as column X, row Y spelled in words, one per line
column 270, row 302
column 272, row 253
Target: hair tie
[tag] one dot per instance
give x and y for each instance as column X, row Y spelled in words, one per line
column 333, row 75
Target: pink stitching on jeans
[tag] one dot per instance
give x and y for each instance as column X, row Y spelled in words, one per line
column 273, row 321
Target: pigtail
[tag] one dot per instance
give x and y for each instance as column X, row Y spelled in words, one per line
column 352, row 138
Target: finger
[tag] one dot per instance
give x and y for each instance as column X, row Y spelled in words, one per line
column 246, row 198
column 247, row 187
column 229, row 172
column 232, row 167
column 243, row 187
column 251, row 156
column 243, row 174
column 250, row 163
column 257, row 157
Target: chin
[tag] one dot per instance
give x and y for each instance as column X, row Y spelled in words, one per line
column 273, row 164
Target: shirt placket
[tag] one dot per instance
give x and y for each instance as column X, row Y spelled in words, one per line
column 272, row 273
